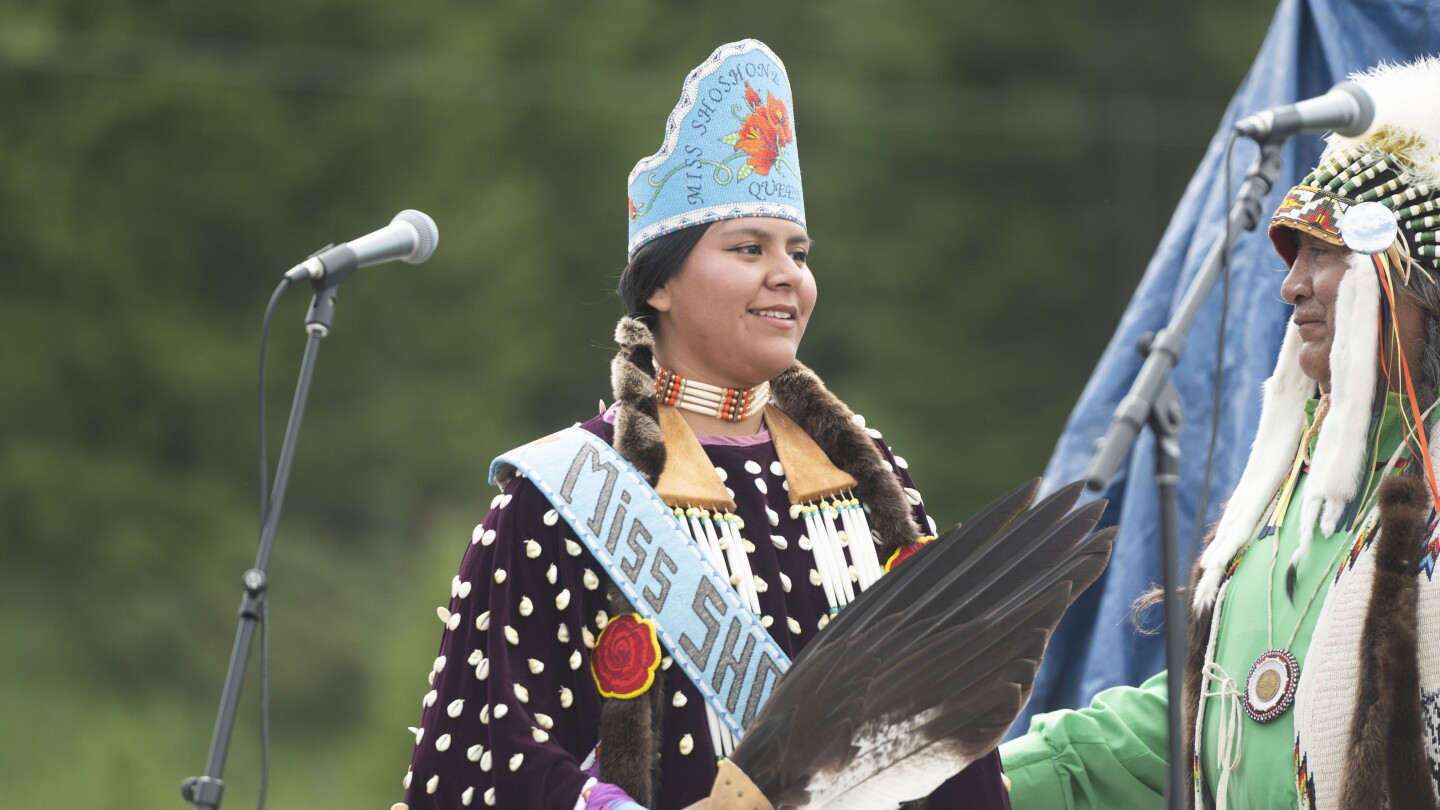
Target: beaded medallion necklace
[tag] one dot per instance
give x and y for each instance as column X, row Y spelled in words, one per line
column 1270, row 686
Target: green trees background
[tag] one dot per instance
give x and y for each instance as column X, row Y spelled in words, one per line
column 985, row 182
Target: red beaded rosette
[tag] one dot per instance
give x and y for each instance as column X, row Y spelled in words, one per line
column 903, row 553
column 626, row 657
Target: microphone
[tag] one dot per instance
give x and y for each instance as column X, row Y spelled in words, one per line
column 410, row 237
column 1346, row 110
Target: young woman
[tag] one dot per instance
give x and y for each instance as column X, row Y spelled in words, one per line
column 549, row 691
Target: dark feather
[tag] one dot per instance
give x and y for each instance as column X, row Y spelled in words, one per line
column 928, row 668
column 880, row 598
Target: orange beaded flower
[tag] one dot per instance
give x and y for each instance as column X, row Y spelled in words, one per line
column 764, row 132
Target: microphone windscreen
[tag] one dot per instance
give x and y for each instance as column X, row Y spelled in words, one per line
column 427, row 235
column 1365, row 119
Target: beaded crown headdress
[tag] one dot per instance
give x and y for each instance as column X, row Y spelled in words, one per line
column 729, row 149
column 1377, row 194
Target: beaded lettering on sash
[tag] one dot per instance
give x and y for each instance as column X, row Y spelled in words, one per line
column 820, row 494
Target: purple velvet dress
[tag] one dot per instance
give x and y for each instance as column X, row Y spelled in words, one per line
column 513, row 710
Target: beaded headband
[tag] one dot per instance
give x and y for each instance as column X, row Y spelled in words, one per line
column 1321, row 203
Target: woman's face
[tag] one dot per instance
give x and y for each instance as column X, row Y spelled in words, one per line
column 734, row 313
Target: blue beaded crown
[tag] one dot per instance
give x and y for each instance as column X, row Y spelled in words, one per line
column 729, row 149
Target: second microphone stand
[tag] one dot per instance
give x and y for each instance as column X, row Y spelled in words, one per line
column 1153, row 401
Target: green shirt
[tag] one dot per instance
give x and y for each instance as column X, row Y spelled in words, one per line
column 1107, row 756
column 1112, row 754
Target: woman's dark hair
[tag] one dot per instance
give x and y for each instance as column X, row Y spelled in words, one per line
column 654, row 263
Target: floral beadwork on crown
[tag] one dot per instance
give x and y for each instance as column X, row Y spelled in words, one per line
column 626, row 657
column 762, row 135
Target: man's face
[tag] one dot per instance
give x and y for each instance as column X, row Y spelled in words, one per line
column 1310, row 288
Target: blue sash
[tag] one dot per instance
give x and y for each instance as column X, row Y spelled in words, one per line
column 717, row 641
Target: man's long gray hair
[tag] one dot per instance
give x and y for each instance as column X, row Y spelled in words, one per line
column 1423, row 289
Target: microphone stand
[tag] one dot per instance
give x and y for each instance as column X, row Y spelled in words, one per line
column 1153, row 402
column 205, row 791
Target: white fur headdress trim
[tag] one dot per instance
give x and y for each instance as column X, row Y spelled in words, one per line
column 1407, row 117
column 1282, row 420
column 1338, row 465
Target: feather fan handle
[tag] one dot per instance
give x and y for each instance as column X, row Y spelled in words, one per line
column 733, row 790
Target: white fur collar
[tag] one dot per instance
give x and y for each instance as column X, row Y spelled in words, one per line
column 1339, row 457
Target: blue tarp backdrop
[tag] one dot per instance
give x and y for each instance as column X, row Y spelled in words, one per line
column 1311, row 46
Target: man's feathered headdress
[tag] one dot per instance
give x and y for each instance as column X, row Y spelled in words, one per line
column 1378, row 195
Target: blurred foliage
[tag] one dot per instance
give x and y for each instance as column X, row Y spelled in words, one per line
column 985, row 182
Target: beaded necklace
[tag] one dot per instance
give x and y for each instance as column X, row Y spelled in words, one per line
column 729, row 404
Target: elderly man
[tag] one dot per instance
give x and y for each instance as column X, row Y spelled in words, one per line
column 1313, row 678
